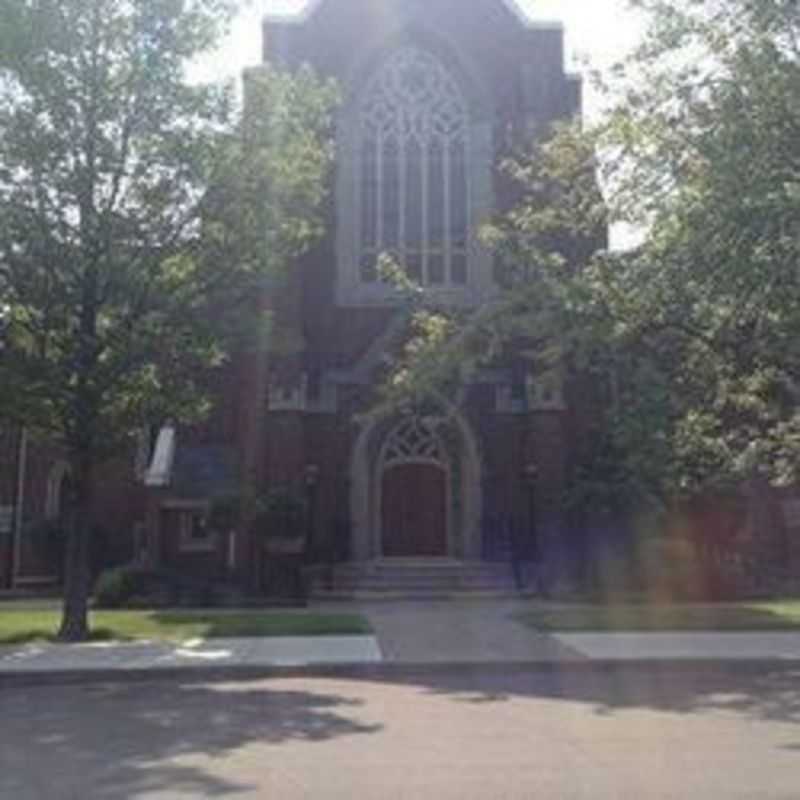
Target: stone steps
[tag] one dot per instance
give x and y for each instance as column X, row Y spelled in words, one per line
column 377, row 596
column 413, row 580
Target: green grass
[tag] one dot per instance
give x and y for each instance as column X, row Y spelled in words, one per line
column 776, row 615
column 21, row 626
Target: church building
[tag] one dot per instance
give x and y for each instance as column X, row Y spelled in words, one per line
column 431, row 93
column 434, row 94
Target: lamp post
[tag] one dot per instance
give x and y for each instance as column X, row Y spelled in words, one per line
column 18, row 514
column 312, row 481
column 521, row 540
column 19, row 506
column 530, row 478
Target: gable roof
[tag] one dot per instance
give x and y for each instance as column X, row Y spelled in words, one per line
column 312, row 6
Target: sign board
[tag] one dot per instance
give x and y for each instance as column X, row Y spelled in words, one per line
column 791, row 512
column 6, row 518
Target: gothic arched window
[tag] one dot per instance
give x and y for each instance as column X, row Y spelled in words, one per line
column 413, row 187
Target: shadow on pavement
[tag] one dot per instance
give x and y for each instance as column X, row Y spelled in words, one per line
column 51, row 739
column 134, row 740
column 769, row 694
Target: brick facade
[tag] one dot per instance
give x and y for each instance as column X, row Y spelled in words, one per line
column 297, row 419
column 301, row 414
column 34, row 479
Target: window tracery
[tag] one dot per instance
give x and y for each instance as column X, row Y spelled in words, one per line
column 413, row 188
column 414, row 440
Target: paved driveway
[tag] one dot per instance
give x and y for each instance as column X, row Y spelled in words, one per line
column 575, row 734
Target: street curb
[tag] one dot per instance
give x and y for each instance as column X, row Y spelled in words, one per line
column 385, row 670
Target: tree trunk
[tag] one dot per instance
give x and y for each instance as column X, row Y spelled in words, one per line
column 75, row 618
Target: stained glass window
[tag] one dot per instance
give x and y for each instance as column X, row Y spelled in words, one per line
column 413, row 188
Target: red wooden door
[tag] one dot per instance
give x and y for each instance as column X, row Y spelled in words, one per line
column 413, row 511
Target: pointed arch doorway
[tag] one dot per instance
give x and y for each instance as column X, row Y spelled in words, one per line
column 444, row 441
column 414, row 492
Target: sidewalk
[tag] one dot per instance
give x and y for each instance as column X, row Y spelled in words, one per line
column 107, row 660
column 430, row 635
column 689, row 646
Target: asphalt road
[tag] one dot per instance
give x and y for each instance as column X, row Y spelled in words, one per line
column 631, row 733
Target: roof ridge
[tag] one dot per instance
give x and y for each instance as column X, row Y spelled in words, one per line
column 310, row 7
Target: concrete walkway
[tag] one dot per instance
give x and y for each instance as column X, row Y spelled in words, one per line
column 469, row 631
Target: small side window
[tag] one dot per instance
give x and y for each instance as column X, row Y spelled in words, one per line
column 196, row 534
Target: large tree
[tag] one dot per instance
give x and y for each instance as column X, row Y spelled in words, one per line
column 709, row 159
column 140, row 214
column 694, row 336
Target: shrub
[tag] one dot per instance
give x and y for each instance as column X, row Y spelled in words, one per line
column 142, row 587
column 49, row 538
column 612, row 575
column 116, row 587
column 672, row 570
column 280, row 514
column 225, row 512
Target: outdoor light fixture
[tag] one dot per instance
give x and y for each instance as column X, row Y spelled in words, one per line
column 312, row 475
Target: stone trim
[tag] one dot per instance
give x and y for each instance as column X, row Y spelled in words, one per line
column 351, row 291
column 288, row 398
column 59, row 472
column 464, row 531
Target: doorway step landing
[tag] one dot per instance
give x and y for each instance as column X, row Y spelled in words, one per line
column 414, row 579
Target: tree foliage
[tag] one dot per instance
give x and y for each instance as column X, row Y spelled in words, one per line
column 707, row 156
column 691, row 339
column 140, row 215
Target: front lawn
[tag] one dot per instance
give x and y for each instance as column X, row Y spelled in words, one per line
column 20, row 626
column 751, row 616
